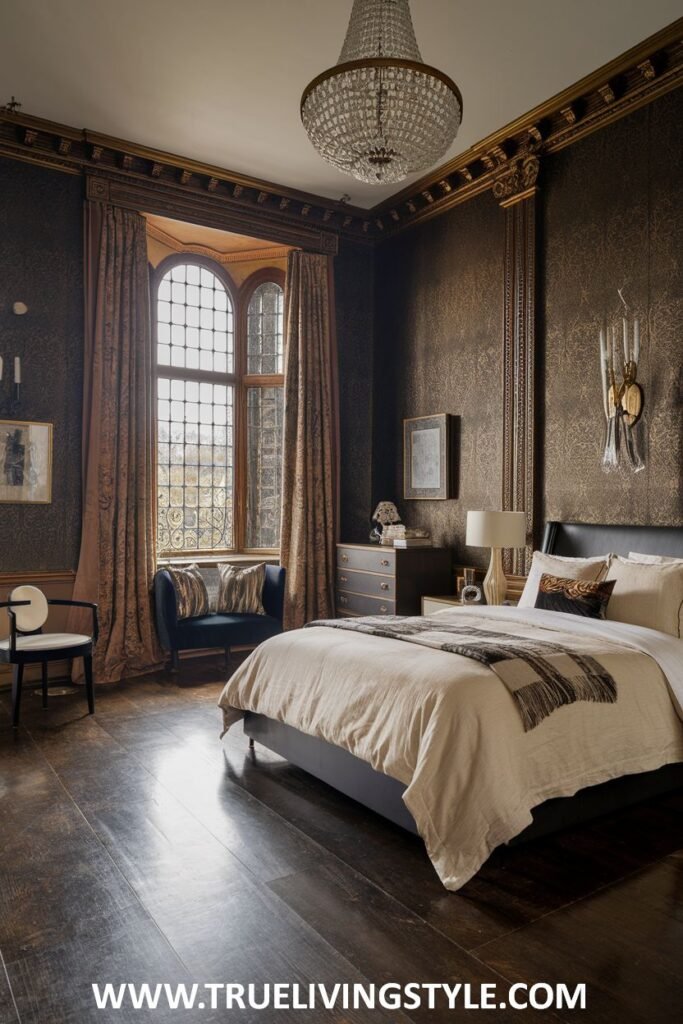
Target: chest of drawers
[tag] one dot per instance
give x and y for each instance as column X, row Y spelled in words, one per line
column 373, row 580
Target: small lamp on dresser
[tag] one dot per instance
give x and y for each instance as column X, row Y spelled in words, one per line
column 496, row 530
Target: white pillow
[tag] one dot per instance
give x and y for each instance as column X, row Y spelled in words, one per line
column 647, row 594
column 635, row 556
column 558, row 565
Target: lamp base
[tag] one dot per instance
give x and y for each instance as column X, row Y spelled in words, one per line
column 495, row 583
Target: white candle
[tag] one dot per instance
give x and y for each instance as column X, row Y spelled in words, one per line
column 603, row 352
column 17, row 370
column 636, row 340
column 0, row 367
column 625, row 339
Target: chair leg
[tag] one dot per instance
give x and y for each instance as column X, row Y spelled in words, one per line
column 90, row 689
column 44, row 668
column 16, row 693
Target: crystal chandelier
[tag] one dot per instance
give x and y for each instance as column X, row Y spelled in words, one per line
column 380, row 114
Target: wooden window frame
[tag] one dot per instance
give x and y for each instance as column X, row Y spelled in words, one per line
column 239, row 379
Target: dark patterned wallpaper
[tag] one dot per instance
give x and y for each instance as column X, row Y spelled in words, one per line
column 41, row 265
column 439, row 349
column 612, row 215
column 354, row 287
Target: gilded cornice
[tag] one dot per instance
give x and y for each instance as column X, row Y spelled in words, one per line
column 224, row 198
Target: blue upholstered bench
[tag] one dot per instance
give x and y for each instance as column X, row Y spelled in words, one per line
column 217, row 629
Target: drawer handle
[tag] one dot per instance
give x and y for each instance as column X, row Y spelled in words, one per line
column 343, row 600
column 383, row 608
column 344, row 579
column 385, row 561
column 344, row 558
column 384, row 586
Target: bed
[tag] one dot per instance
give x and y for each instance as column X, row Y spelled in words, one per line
column 362, row 713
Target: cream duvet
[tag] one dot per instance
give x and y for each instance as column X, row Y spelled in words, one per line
column 446, row 727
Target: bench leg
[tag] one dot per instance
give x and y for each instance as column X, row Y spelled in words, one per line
column 89, row 688
column 175, row 661
column 251, row 742
column 44, row 670
column 228, row 660
column 17, row 678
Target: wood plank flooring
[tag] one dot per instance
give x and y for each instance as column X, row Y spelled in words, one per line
column 136, row 846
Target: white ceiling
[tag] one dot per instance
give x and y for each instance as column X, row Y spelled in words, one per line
column 220, row 80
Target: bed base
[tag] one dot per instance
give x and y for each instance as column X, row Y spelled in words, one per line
column 358, row 780
column 384, row 795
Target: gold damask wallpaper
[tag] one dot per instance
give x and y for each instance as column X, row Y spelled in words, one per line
column 611, row 215
column 438, row 336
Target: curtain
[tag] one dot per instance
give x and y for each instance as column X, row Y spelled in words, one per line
column 311, row 441
column 117, row 556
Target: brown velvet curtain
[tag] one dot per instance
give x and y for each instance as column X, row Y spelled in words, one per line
column 116, row 563
column 311, row 441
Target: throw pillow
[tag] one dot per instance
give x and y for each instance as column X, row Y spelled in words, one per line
column 576, row 597
column 560, row 565
column 191, row 595
column 241, row 590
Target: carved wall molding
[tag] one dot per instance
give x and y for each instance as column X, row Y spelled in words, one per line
column 636, row 78
column 519, row 330
column 516, row 180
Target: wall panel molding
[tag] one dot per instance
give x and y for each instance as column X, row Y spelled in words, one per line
column 519, row 336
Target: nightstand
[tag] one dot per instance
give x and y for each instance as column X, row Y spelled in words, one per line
column 430, row 605
column 377, row 580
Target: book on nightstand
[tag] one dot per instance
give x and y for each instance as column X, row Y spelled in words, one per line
column 413, row 542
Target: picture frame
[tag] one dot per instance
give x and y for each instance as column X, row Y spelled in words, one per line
column 429, row 471
column 25, row 462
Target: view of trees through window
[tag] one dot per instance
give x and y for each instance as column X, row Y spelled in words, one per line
column 220, row 362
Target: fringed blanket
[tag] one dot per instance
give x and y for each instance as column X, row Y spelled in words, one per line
column 541, row 676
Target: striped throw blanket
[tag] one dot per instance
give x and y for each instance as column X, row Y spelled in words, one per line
column 541, row 676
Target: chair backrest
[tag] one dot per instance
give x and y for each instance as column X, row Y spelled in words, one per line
column 29, row 617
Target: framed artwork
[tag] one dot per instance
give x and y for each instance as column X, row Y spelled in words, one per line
column 25, row 462
column 428, row 457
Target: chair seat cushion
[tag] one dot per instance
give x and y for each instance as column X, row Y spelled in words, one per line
column 225, row 630
column 47, row 641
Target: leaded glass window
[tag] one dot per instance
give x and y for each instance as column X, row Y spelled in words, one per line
column 265, row 329
column 220, row 401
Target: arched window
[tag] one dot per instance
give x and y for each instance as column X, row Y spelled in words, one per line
column 219, row 375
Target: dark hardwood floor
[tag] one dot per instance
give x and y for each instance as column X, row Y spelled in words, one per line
column 136, row 846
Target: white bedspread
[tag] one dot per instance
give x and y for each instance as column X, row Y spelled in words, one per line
column 447, row 728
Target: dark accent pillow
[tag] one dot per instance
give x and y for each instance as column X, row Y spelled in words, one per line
column 576, row 597
column 191, row 596
column 241, row 590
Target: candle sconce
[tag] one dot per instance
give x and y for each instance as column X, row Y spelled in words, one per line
column 623, row 399
column 19, row 309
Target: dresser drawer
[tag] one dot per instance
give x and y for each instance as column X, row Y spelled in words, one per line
column 368, row 583
column 360, row 604
column 367, row 559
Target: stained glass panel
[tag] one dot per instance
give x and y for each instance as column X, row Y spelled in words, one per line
column 194, row 465
column 265, row 329
column 264, row 466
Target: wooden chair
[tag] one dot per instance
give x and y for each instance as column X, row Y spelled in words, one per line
column 27, row 644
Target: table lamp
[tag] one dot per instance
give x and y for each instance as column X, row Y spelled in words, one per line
column 496, row 530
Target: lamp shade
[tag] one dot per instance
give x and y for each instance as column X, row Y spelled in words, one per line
column 496, row 529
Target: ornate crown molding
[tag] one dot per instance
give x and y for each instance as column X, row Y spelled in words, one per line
column 503, row 160
column 202, row 191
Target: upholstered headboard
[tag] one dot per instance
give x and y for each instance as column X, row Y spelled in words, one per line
column 581, row 540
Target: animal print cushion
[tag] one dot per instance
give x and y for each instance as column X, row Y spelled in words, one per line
column 191, row 595
column 241, row 590
column 576, row 597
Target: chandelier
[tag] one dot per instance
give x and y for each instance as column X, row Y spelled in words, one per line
column 380, row 114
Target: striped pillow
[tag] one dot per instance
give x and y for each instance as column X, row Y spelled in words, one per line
column 190, row 592
column 241, row 590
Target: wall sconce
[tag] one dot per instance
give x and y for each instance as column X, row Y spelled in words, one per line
column 19, row 309
column 622, row 399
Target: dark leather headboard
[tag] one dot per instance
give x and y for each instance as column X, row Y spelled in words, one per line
column 582, row 540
